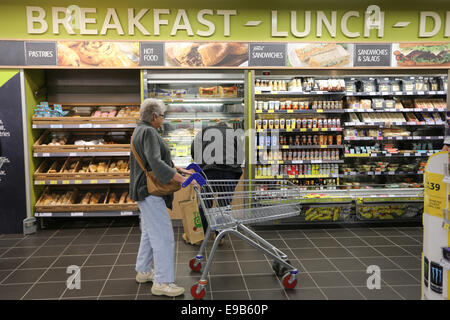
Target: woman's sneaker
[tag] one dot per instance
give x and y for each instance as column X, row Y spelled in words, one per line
column 167, row 289
column 145, row 277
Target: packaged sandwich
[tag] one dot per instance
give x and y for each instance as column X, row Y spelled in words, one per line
column 207, row 92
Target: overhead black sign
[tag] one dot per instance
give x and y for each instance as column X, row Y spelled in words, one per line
column 40, row 54
column 12, row 53
column 267, row 55
column 152, row 54
column 372, row 55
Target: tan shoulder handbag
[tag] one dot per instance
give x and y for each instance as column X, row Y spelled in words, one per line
column 154, row 186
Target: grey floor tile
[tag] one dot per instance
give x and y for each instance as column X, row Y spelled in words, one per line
column 388, row 231
column 250, row 255
column 101, row 260
column 49, row 251
column 398, row 277
column 221, row 268
column 66, row 261
column 24, row 276
column 55, row 275
column 316, row 233
column 94, row 273
column 68, row 233
column 4, row 274
column 123, row 272
column 8, row 243
column 340, row 233
column 117, row 231
column 288, row 234
column 300, row 293
column 414, row 250
column 10, row 263
column 342, row 294
column 107, row 249
column 416, row 273
column 392, row 251
column 318, row 265
column 118, row 297
column 230, row 295
column 351, row 242
column 401, row 241
column 240, row 245
column 225, row 256
column 2, row 251
column 364, row 232
column 268, row 234
column 330, row 279
column 133, row 239
column 249, row 267
column 377, row 241
column 278, row 294
column 363, row 252
column 30, row 242
column 86, row 240
column 312, row 253
column 299, row 243
column 224, row 283
column 13, row 292
column 62, row 241
column 384, row 293
column 262, row 282
column 79, row 249
column 408, row 292
column 326, row 243
column 113, row 239
column 22, row 252
column 46, row 291
column 335, row 252
column 347, row 264
column 120, row 287
column 88, row 289
column 358, row 278
column 131, row 248
column 38, row 262
column 382, row 262
column 407, row 262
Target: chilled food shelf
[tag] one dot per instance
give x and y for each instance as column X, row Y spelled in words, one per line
column 297, row 93
column 301, row 147
column 84, row 125
column 375, row 173
column 301, row 130
column 299, row 162
column 393, row 155
column 312, row 111
column 80, row 154
column 203, row 100
column 397, row 110
column 389, row 124
column 401, row 138
column 398, row 93
column 290, row 176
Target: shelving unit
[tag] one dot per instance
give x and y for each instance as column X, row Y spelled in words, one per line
column 402, row 150
column 81, row 93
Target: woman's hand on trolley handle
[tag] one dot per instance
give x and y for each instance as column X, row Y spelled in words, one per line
column 179, row 178
column 184, row 171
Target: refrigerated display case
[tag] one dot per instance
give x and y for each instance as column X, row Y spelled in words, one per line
column 349, row 130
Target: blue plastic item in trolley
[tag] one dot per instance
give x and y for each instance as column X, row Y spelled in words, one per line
column 229, row 205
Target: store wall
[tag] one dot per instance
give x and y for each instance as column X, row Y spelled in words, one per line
column 12, row 167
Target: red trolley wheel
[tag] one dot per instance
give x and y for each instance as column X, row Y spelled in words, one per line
column 196, row 295
column 195, row 265
column 286, row 279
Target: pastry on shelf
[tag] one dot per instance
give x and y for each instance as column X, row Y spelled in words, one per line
column 113, row 198
column 124, row 197
column 95, row 198
column 86, row 198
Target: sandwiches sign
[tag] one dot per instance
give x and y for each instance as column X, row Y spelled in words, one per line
column 131, row 54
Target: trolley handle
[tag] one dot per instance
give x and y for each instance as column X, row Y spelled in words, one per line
column 194, row 166
column 197, row 176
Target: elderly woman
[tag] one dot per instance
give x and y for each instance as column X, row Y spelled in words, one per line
column 157, row 239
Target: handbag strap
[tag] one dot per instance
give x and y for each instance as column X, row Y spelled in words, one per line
column 138, row 159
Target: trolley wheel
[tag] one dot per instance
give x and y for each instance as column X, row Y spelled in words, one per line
column 195, row 265
column 278, row 268
column 198, row 295
column 287, row 278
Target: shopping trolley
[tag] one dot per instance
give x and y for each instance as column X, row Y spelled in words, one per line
column 230, row 205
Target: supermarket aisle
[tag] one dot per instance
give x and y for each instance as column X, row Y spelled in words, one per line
column 332, row 264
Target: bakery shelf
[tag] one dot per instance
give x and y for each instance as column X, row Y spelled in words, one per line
column 301, row 147
column 299, row 162
column 85, row 126
column 301, row 130
column 81, row 153
column 134, row 212
column 394, row 138
column 312, row 111
column 79, row 181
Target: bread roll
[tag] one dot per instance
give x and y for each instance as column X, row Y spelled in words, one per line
column 95, row 198
column 86, row 198
column 93, row 168
column 112, row 198
column 129, row 199
column 123, row 198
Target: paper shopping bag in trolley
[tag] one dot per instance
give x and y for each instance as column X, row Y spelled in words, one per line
column 192, row 223
column 229, row 209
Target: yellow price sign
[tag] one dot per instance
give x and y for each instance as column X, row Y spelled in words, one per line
column 53, row 182
column 269, row 111
column 39, row 182
column 435, row 191
column 290, row 111
column 319, row 110
column 113, row 181
column 324, row 129
column 288, row 130
column 65, row 182
column 78, row 182
column 303, row 130
column 315, row 129
column 94, row 181
column 323, row 146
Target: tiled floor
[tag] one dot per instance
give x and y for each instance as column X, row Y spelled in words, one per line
column 332, row 263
